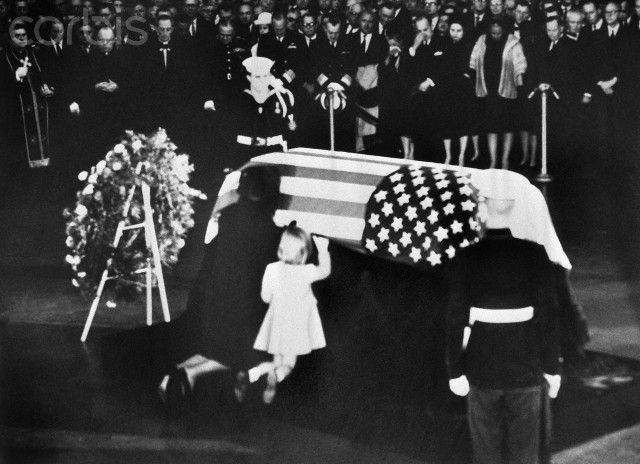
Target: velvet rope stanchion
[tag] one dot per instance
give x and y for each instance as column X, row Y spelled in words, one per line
column 544, row 89
column 337, row 100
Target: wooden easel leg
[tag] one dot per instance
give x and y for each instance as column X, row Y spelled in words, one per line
column 149, row 296
column 155, row 251
column 94, row 305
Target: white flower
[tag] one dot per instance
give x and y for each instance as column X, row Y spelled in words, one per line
column 122, row 190
column 100, row 166
column 111, row 304
column 69, row 241
column 120, row 149
column 82, row 274
column 72, row 259
column 75, row 283
column 82, row 176
column 88, row 190
column 97, row 196
column 161, row 137
column 136, row 145
column 81, row 210
column 180, row 243
column 116, row 166
column 92, row 179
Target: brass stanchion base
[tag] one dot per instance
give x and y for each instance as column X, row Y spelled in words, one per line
column 41, row 163
column 543, row 178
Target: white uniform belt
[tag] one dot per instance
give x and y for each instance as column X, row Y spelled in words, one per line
column 260, row 141
column 500, row 316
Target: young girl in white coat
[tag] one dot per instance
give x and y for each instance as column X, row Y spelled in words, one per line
column 291, row 326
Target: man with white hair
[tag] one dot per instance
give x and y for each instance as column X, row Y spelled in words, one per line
column 503, row 347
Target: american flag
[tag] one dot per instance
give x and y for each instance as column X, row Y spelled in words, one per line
column 422, row 215
column 326, row 193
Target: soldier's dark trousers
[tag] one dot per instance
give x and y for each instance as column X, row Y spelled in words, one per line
column 505, row 425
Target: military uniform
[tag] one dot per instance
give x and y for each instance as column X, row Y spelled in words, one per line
column 501, row 289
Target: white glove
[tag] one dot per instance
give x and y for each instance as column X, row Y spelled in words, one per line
column 554, row 384
column 459, row 386
column 74, row 108
column 424, row 86
column 335, row 87
column 209, row 105
column 277, row 83
column 21, row 73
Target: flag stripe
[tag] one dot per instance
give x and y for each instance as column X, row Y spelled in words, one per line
column 346, row 228
column 325, row 174
column 334, row 164
column 312, row 205
column 325, row 189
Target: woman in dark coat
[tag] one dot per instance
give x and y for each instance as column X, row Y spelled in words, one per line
column 394, row 86
column 458, row 104
column 225, row 310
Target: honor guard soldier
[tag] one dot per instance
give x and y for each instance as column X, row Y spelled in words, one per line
column 503, row 346
column 283, row 47
column 264, row 120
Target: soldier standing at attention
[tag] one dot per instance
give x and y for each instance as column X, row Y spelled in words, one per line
column 502, row 327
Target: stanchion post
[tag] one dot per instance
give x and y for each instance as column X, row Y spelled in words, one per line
column 332, row 134
column 544, row 175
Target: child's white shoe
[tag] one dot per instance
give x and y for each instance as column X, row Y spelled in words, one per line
column 270, row 390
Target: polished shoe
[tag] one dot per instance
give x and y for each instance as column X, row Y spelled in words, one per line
column 178, row 389
column 270, row 391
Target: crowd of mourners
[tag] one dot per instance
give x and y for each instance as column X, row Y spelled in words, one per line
column 442, row 80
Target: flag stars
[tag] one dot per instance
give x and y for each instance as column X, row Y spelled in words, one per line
column 439, row 174
column 443, row 184
column 406, row 239
column 411, row 213
column 403, row 199
column 463, row 179
column 434, row 258
column 466, row 190
column 433, row 216
column 451, row 252
column 420, row 228
column 456, row 227
column 426, row 203
column 423, row 191
column 475, row 225
column 448, row 209
column 381, row 195
column 415, row 170
column 396, row 224
column 465, row 243
column 417, row 181
column 427, row 243
column 468, row 205
column 399, row 188
column 387, row 209
column 393, row 249
column 415, row 254
column 397, row 177
column 374, row 220
column 441, row 234
column 446, row 196
column 383, row 235
column 371, row 245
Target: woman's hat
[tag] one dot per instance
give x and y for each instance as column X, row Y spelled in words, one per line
column 263, row 18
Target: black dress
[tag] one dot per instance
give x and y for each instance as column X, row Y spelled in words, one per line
column 394, row 87
column 228, row 289
column 499, row 114
column 458, row 108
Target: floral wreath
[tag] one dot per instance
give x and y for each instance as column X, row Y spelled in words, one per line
column 91, row 224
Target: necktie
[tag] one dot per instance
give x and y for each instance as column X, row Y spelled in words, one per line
column 363, row 44
column 476, row 21
column 612, row 34
column 58, row 49
column 593, row 28
column 192, row 28
column 165, row 51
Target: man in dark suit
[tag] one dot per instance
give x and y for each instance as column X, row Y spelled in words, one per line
column 476, row 20
column 282, row 46
column 335, row 70
column 368, row 49
column 244, row 26
column 168, row 74
column 200, row 32
column 592, row 16
column 426, row 62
